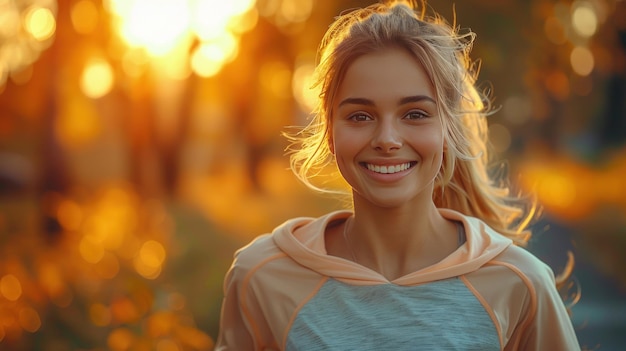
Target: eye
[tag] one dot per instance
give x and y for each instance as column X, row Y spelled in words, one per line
column 360, row 117
column 416, row 114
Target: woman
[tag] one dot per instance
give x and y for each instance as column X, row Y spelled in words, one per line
column 429, row 256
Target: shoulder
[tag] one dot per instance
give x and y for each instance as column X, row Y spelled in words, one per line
column 255, row 255
column 526, row 264
column 545, row 323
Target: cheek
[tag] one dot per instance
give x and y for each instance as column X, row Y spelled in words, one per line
column 431, row 141
column 343, row 148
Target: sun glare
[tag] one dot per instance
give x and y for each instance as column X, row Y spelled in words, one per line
column 160, row 26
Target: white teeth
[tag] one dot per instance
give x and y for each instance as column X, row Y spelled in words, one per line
column 388, row 169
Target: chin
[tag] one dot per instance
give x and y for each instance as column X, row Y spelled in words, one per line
column 389, row 200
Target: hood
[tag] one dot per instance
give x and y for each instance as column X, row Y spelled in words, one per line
column 302, row 239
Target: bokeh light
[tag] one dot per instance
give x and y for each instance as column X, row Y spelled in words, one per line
column 29, row 319
column 40, row 23
column 302, row 84
column 84, row 16
column 120, row 339
column 97, row 78
column 582, row 60
column 10, row 287
column 27, row 28
column 584, row 19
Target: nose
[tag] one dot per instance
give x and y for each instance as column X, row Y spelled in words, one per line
column 386, row 137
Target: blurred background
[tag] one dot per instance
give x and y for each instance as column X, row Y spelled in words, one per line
column 140, row 145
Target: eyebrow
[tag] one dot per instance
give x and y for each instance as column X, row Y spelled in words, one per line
column 404, row 100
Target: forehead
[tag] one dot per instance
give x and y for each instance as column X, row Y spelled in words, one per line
column 387, row 74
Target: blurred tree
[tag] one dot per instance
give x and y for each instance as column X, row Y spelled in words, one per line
column 613, row 130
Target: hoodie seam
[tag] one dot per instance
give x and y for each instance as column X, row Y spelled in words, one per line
column 486, row 306
column 533, row 297
column 299, row 307
column 244, row 293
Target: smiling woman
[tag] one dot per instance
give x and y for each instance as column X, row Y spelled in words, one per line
column 430, row 242
column 385, row 118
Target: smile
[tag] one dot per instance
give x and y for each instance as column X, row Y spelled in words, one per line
column 389, row 169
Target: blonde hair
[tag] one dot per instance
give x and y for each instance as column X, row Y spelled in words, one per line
column 463, row 183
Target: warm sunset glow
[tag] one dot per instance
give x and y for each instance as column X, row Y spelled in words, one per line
column 301, row 84
column 77, row 124
column 285, row 13
column 106, row 231
column 10, row 19
column 90, row 250
column 145, row 270
column 97, row 78
column 211, row 19
column 152, row 253
column 557, row 190
column 26, row 29
column 296, row 11
column 216, row 26
column 563, row 188
column 40, row 23
column 84, row 16
column 134, row 62
column 276, row 78
column 244, row 22
column 150, row 259
column 156, row 26
column 145, row 141
column 175, row 64
column 208, row 60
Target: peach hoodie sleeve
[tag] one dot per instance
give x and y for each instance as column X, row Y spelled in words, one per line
column 235, row 332
column 548, row 325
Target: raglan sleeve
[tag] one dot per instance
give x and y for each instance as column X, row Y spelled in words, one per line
column 235, row 330
column 549, row 326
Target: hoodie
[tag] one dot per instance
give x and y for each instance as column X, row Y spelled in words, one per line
column 284, row 292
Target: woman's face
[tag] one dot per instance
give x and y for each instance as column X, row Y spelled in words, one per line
column 387, row 136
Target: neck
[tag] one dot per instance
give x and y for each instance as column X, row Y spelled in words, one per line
column 400, row 240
